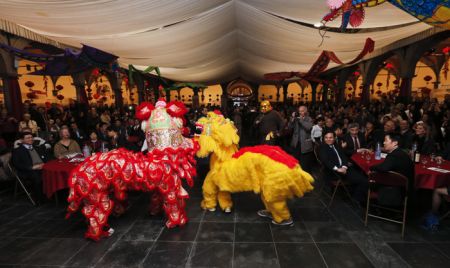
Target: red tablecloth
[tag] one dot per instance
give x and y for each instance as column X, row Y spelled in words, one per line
column 424, row 178
column 55, row 175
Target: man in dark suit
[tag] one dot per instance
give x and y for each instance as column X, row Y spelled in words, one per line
column 28, row 161
column 398, row 161
column 78, row 135
column 335, row 161
column 354, row 139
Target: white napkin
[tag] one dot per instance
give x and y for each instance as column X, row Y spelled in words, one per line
column 439, row 169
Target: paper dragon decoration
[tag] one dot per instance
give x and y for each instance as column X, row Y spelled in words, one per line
column 433, row 12
column 98, row 185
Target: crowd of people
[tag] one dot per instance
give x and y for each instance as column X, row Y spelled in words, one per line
column 336, row 130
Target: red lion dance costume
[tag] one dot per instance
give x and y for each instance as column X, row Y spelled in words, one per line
column 99, row 184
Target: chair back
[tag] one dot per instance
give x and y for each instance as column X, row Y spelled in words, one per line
column 316, row 153
column 389, row 178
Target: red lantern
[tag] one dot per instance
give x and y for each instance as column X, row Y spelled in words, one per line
column 95, row 72
column 89, row 90
column 350, row 88
column 349, row 95
column 59, row 87
column 89, row 98
column 96, row 96
column 395, row 82
column 360, row 94
column 104, row 98
column 48, row 105
column 389, row 66
column 446, row 50
column 378, row 92
column 360, row 87
column 60, row 97
column 356, row 73
column 160, row 87
column 427, row 78
column 29, row 84
column 425, row 90
column 31, row 96
column 379, row 84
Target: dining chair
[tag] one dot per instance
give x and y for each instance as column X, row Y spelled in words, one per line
column 376, row 181
column 20, row 182
column 336, row 182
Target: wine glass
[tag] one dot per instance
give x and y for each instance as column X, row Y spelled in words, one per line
column 424, row 161
column 438, row 161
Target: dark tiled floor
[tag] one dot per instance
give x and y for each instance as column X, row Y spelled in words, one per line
column 321, row 237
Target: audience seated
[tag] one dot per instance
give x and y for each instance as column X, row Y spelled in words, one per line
column 335, row 161
column 65, row 146
column 354, row 139
column 28, row 161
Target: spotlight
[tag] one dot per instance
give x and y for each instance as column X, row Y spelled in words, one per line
column 319, row 24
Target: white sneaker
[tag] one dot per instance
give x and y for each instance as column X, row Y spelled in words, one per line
column 227, row 210
column 211, row 209
column 110, row 231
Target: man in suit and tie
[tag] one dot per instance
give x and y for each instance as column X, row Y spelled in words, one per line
column 335, row 161
column 28, row 161
column 354, row 139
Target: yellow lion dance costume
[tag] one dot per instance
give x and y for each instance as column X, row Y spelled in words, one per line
column 264, row 169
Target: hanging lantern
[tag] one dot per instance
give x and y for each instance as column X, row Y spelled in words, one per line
column 361, row 87
column 349, row 95
column 89, row 98
column 389, row 66
column 378, row 92
column 356, row 73
column 89, row 90
column 427, row 78
column 29, row 84
column 59, row 87
column 395, row 82
column 96, row 96
column 95, row 72
column 48, row 105
column 60, row 97
column 379, row 84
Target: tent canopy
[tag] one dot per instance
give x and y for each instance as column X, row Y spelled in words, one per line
column 208, row 41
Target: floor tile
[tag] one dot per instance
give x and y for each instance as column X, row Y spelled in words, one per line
column 296, row 233
column 312, row 214
column 126, row 254
column 187, row 232
column 216, row 232
column 299, row 255
column 206, row 254
column 18, row 211
column 327, row 232
column 56, row 251
column 376, row 250
column 343, row 255
column 20, row 248
column 168, row 254
column 420, row 254
column 444, row 248
column 20, row 226
column 48, row 229
column 92, row 252
column 253, row 232
column 144, row 230
column 255, row 255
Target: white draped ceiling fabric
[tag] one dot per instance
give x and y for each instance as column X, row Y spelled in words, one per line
column 207, row 41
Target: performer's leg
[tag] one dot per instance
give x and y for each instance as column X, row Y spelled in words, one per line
column 174, row 208
column 156, row 202
column 210, row 192
column 225, row 201
column 278, row 209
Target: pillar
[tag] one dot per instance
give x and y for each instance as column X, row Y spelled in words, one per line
column 79, row 83
column 13, row 96
column 285, row 93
